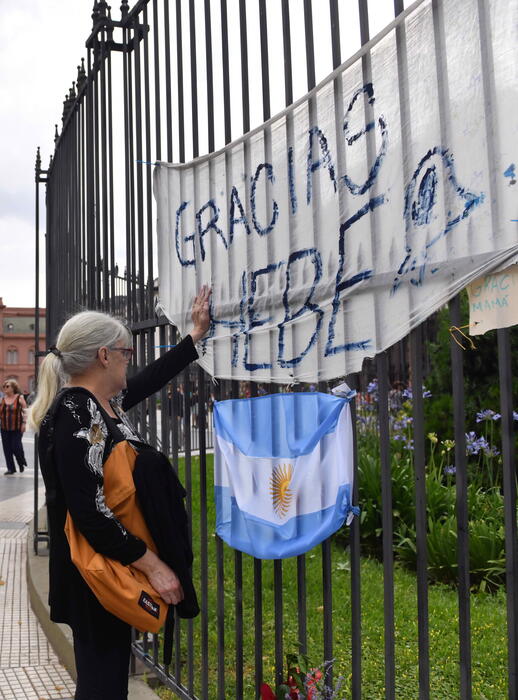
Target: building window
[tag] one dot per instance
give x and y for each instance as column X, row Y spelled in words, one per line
column 31, row 356
column 12, row 356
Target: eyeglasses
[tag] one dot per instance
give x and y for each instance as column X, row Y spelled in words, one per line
column 127, row 353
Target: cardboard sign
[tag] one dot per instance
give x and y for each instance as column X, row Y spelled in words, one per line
column 493, row 301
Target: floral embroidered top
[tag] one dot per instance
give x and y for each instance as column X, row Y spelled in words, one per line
column 80, row 446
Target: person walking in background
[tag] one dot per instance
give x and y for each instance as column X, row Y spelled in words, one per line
column 12, row 423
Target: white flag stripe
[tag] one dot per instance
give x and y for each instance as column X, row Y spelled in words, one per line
column 316, row 478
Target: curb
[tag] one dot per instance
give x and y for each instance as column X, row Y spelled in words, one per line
column 60, row 635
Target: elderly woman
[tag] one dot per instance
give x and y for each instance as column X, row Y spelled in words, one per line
column 91, row 355
column 12, row 423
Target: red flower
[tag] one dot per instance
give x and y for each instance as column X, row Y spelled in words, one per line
column 294, row 691
column 311, row 682
column 267, row 693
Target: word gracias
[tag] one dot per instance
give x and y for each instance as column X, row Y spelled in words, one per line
column 208, row 215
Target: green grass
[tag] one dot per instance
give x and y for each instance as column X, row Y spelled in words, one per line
column 488, row 623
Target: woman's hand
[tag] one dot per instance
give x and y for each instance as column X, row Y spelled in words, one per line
column 200, row 314
column 161, row 577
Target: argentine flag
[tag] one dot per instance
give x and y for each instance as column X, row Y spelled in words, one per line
column 283, row 472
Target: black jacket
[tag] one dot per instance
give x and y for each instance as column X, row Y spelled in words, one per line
column 73, row 480
column 161, row 499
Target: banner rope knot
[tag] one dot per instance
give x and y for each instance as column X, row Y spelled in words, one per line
column 451, row 329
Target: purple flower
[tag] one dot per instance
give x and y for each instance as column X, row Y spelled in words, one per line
column 487, row 414
column 372, row 387
column 491, row 451
column 401, row 424
column 450, row 469
column 407, row 393
column 472, row 443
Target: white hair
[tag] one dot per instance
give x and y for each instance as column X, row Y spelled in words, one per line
column 75, row 351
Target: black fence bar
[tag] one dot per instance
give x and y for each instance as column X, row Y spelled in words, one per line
column 187, row 478
column 382, row 367
column 105, row 256
column 354, row 535
column 179, row 68
column 148, row 157
column 416, row 351
column 97, row 59
column 204, row 556
column 140, row 310
column 327, row 599
column 278, row 607
column 310, row 45
column 509, row 487
column 127, row 164
column 461, row 505
column 168, row 80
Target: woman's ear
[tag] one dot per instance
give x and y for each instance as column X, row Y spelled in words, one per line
column 102, row 355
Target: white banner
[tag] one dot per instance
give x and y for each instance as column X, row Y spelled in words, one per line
column 345, row 221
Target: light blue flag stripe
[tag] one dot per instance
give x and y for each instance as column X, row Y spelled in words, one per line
column 264, row 540
column 278, row 425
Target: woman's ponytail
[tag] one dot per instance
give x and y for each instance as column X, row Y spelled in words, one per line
column 50, row 380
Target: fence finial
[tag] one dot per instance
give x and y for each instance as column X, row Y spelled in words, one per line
column 95, row 13
column 124, row 8
column 56, row 133
column 102, row 6
column 81, row 74
column 38, row 160
column 65, row 108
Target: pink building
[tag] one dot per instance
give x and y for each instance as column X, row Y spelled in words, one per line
column 17, row 344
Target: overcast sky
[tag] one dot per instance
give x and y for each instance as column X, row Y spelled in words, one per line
column 41, row 44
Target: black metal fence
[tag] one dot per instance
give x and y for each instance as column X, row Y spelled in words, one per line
column 168, row 81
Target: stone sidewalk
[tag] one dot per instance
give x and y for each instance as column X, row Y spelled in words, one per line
column 34, row 664
column 29, row 668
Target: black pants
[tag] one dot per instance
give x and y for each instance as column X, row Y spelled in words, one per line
column 102, row 667
column 12, row 444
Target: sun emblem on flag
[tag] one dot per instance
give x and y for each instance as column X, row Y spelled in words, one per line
column 280, row 488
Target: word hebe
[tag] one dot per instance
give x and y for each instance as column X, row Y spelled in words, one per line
column 250, row 317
